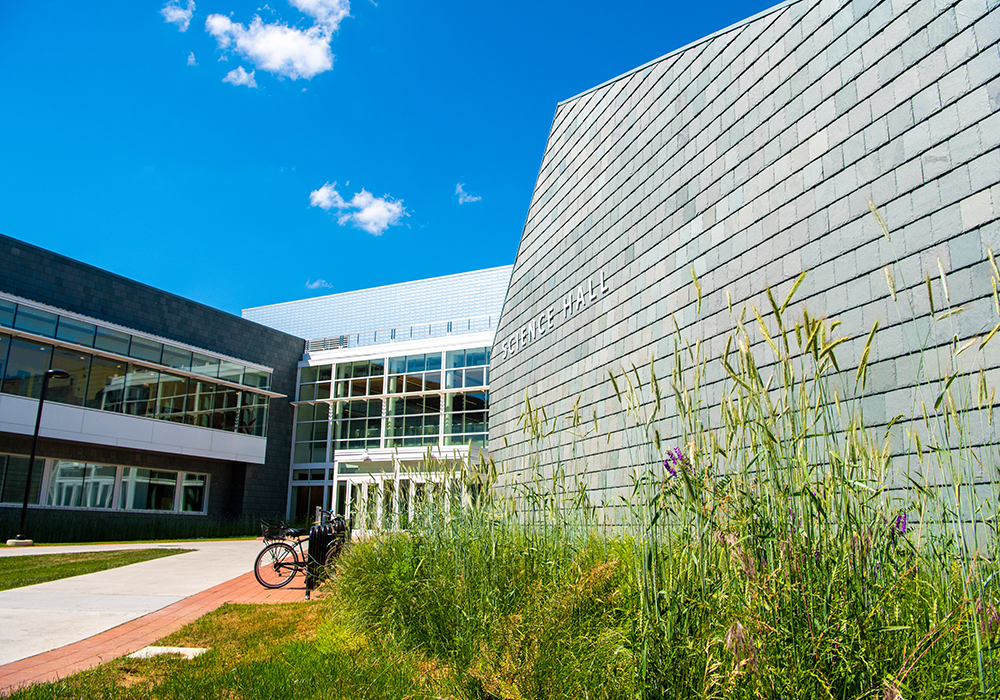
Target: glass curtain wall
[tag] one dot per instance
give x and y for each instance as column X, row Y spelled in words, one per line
column 124, row 387
column 419, row 400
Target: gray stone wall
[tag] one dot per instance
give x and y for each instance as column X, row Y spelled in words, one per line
column 749, row 157
column 40, row 275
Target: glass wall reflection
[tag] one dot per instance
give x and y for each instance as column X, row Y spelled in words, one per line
column 123, row 387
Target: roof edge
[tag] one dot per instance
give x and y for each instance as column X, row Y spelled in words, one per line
column 709, row 37
column 382, row 286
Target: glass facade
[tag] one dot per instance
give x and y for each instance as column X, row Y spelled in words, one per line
column 148, row 389
column 13, row 477
column 69, row 484
column 421, row 400
column 375, row 500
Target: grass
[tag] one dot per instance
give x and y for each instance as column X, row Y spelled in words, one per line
column 27, row 570
column 295, row 650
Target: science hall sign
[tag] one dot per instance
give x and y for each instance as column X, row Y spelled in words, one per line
column 554, row 316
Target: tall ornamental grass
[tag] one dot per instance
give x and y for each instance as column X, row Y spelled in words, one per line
column 773, row 542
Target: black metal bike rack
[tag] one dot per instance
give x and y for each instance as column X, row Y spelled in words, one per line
column 324, row 540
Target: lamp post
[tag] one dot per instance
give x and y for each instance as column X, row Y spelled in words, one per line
column 21, row 540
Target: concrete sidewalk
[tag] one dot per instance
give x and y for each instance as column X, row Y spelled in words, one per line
column 36, row 619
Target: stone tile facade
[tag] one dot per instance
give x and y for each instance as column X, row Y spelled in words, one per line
column 749, row 157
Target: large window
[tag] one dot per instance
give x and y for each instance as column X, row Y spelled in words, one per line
column 466, row 418
column 26, row 366
column 361, row 378
column 70, row 484
column 71, row 391
column 117, row 385
column 357, row 424
column 13, row 477
column 436, row 398
column 413, row 421
column 412, row 373
column 311, row 433
column 81, row 485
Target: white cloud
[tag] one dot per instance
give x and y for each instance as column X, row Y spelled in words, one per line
column 365, row 211
column 327, row 13
column 191, row 59
column 240, row 77
column 464, row 196
column 318, row 284
column 181, row 16
column 278, row 48
column 327, row 197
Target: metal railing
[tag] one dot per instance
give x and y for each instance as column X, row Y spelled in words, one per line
column 417, row 331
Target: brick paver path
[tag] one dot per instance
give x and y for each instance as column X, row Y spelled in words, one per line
column 141, row 632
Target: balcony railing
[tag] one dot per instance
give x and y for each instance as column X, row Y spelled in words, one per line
column 417, row 331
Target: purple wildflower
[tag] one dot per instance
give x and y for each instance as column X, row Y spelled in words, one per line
column 666, row 464
column 675, row 458
column 901, row 523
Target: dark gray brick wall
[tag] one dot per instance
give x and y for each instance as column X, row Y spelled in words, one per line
column 226, row 478
column 43, row 276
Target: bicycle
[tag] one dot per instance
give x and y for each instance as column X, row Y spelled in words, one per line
column 283, row 555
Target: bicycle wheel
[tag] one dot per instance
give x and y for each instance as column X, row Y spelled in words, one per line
column 276, row 565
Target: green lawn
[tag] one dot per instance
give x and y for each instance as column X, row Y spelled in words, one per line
column 28, row 570
column 293, row 650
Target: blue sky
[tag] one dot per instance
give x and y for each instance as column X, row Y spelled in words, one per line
column 241, row 155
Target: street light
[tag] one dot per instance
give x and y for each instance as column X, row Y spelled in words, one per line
column 21, row 539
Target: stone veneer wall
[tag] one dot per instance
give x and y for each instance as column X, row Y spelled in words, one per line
column 751, row 156
column 40, row 275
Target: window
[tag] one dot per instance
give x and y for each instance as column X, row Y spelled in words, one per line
column 468, row 368
column 171, row 397
column 413, row 373
column 314, row 383
column 146, row 489
column 81, row 485
column 140, row 391
column 72, row 391
column 35, row 321
column 13, row 477
column 357, row 424
column 253, row 414
column 76, row 332
column 466, row 419
column 194, row 489
column 311, row 429
column 361, row 378
column 413, row 421
column 70, row 484
column 27, row 364
column 104, row 384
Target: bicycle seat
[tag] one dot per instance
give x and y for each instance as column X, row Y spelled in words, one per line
column 297, row 532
